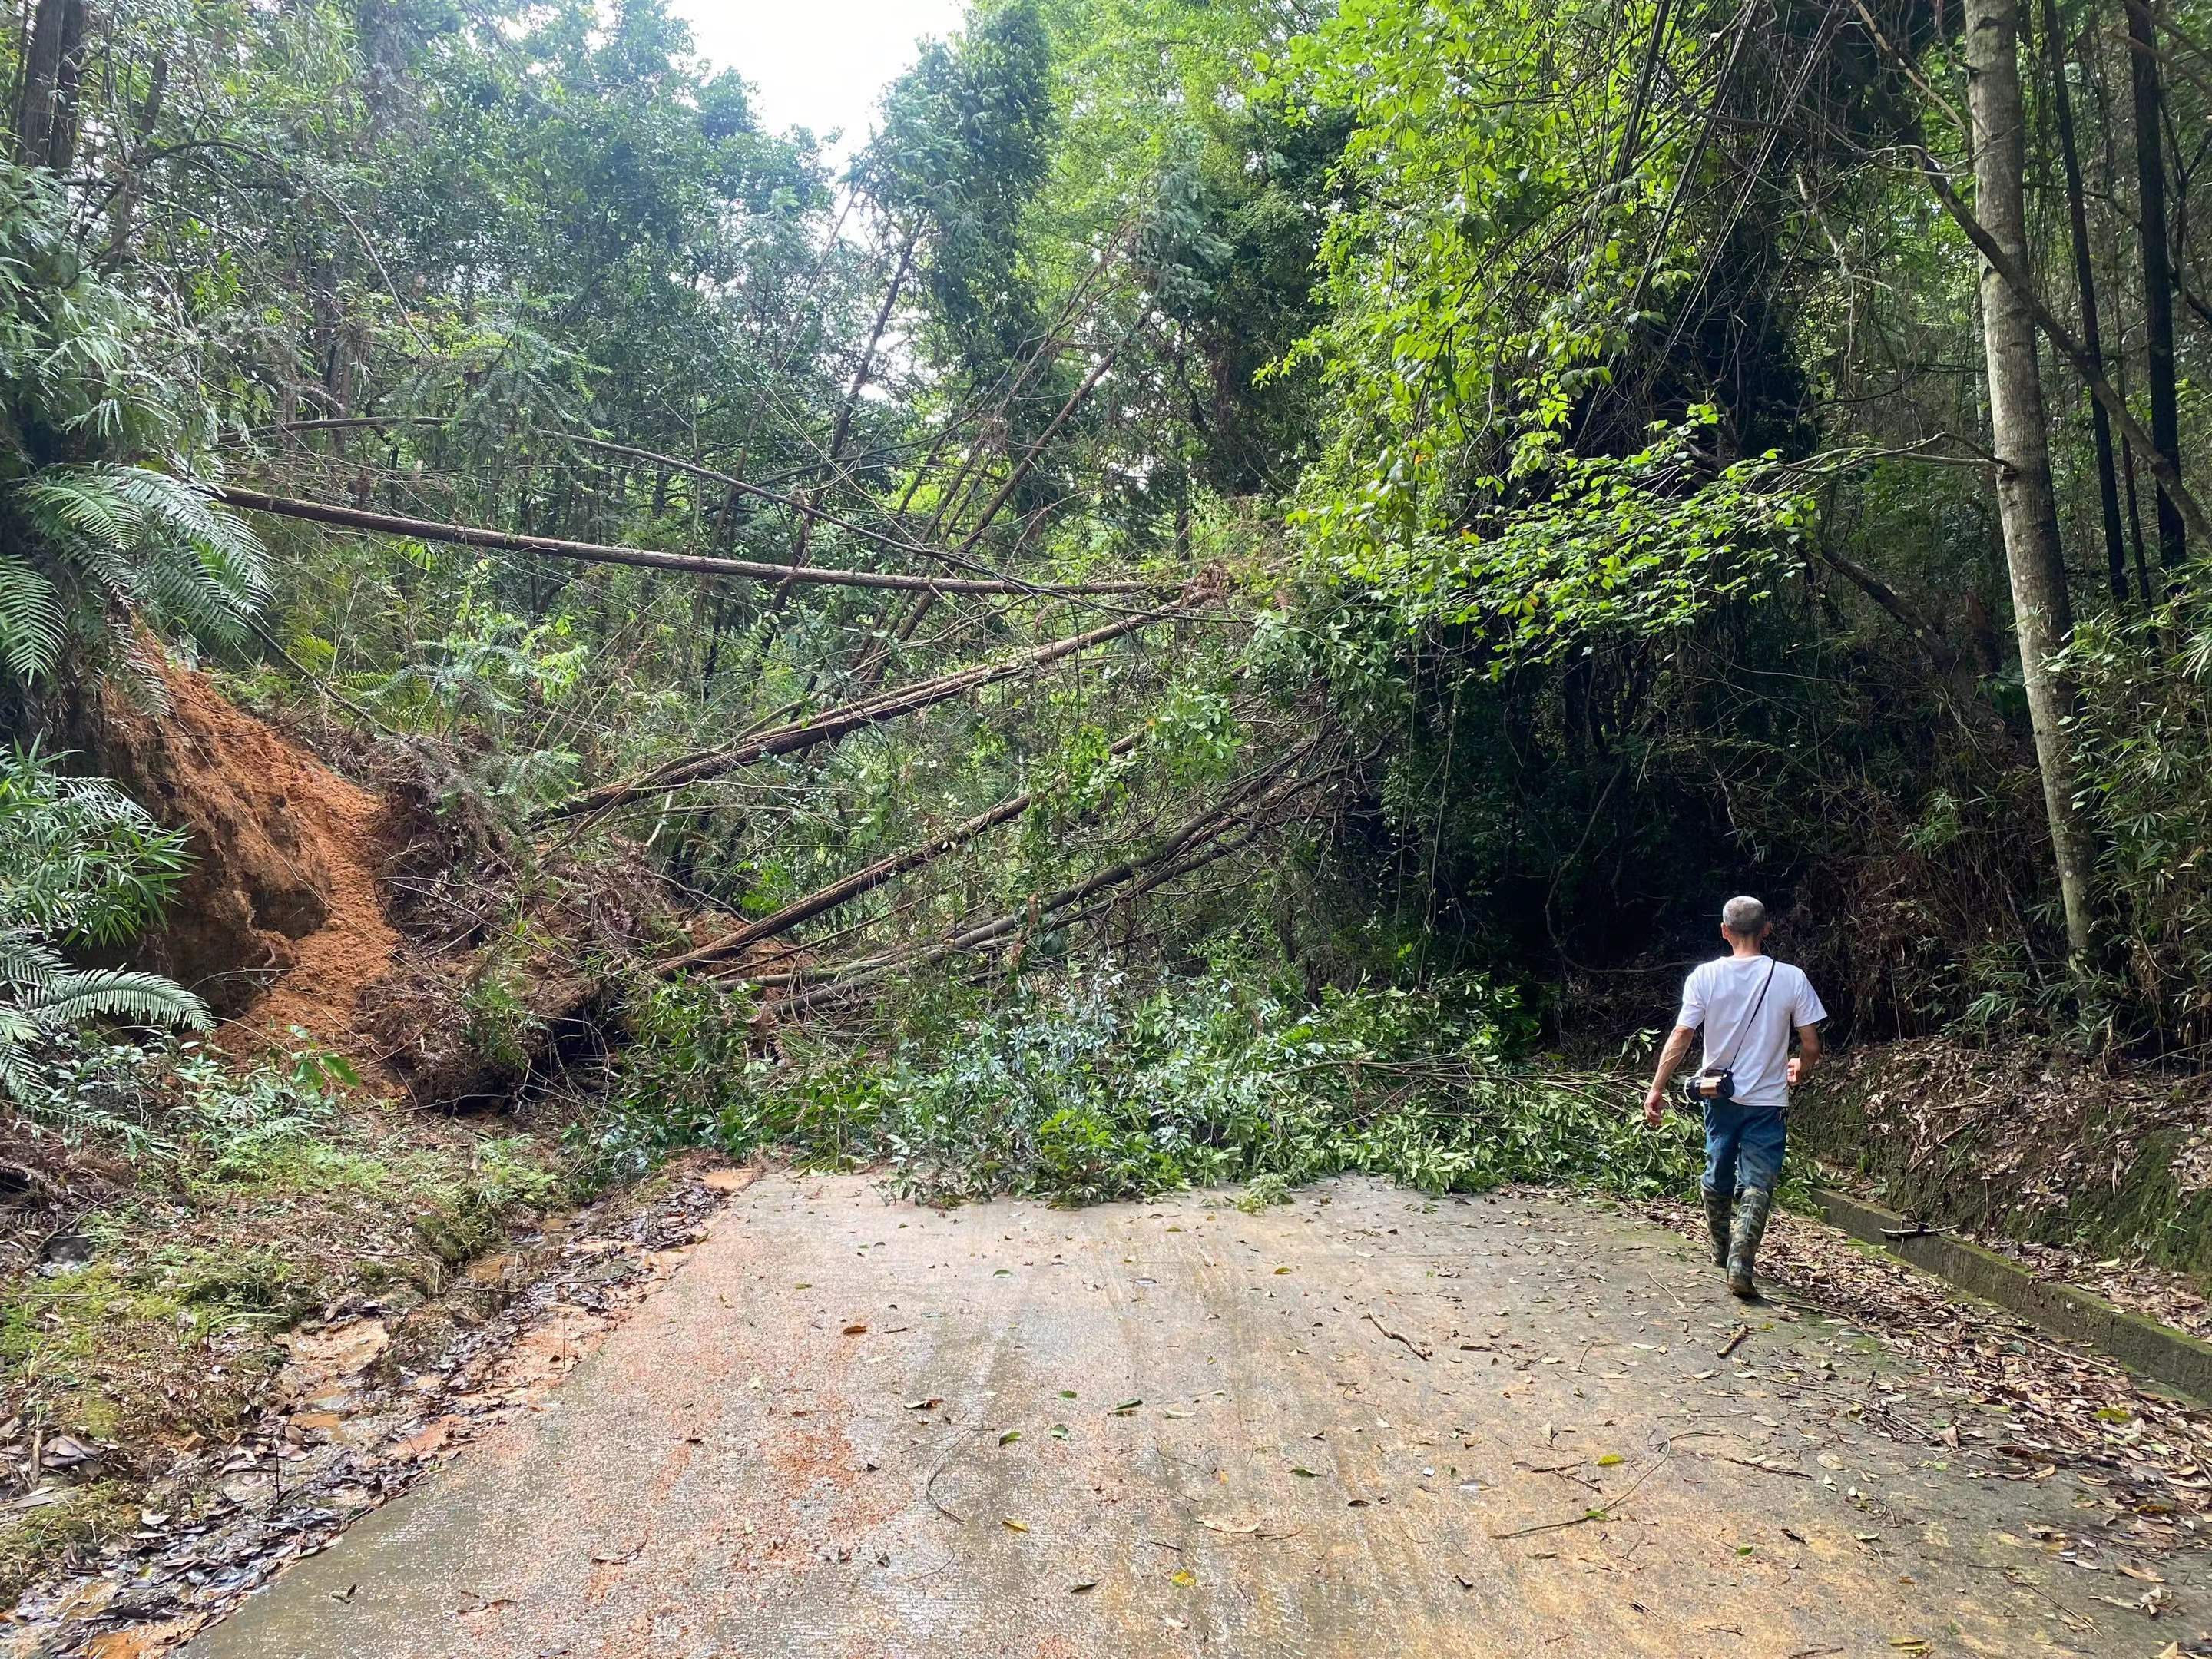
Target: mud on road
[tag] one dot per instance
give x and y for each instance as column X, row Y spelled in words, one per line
column 1367, row 1423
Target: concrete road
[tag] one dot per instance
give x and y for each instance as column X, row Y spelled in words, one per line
column 1364, row 1424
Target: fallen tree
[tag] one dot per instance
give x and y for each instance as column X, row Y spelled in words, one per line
column 835, row 723
column 876, row 658
column 842, row 892
column 508, row 541
column 1198, row 841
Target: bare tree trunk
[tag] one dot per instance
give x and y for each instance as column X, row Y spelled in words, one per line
column 830, row 725
column 463, row 535
column 149, row 121
column 2020, row 435
column 2157, row 270
column 46, row 110
column 2085, row 279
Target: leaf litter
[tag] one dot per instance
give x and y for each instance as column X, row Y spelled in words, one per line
column 2018, row 1398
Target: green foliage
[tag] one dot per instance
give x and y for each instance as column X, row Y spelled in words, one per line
column 80, row 863
column 963, row 147
column 1498, row 355
column 2145, row 742
column 1605, row 552
column 495, row 1001
column 253, row 1126
column 467, row 1216
column 189, row 1111
column 154, row 547
column 1096, row 1091
column 687, row 1062
column 99, row 537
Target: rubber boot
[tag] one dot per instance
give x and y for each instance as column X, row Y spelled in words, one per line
column 1754, row 1205
column 1718, row 1206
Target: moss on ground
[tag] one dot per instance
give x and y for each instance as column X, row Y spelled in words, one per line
column 81, row 1521
column 167, row 1336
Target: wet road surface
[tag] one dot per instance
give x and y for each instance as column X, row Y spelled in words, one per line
column 1362, row 1424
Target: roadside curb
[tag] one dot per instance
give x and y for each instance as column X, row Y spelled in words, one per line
column 2158, row 1352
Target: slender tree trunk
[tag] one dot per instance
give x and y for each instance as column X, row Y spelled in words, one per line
column 2020, row 435
column 832, row 725
column 2085, row 279
column 46, row 108
column 2157, row 270
column 2134, row 521
column 841, row 429
column 149, row 121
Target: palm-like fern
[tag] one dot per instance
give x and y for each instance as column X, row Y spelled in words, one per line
column 83, row 395
column 153, row 545
column 86, row 396
column 79, row 861
column 42, row 995
column 30, row 620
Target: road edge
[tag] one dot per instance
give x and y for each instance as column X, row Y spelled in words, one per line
column 2156, row 1352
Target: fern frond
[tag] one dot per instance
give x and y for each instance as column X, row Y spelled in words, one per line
column 153, row 540
column 185, row 511
column 143, row 663
column 27, row 968
column 30, row 620
column 72, row 998
column 80, row 503
column 79, row 859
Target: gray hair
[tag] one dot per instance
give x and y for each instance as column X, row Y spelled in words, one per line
column 1745, row 917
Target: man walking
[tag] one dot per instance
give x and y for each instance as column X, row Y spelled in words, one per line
column 1747, row 1004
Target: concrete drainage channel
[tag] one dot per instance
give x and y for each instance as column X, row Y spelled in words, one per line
column 2156, row 1352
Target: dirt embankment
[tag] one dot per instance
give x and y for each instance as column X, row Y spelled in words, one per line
column 282, row 915
column 2025, row 1145
column 153, row 1256
column 396, row 923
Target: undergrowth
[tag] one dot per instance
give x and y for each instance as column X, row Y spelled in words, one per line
column 1091, row 1088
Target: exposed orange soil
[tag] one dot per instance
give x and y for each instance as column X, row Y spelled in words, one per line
column 284, row 894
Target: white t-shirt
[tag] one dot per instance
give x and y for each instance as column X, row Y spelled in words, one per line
column 1719, row 996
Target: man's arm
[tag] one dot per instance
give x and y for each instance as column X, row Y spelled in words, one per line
column 1678, row 1045
column 1809, row 1052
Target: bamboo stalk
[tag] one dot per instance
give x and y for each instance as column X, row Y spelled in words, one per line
column 842, row 892
column 427, row 530
column 835, row 723
column 1198, row 841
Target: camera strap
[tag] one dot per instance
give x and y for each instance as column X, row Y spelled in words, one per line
column 1736, row 1041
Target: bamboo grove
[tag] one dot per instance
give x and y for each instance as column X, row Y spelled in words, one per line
column 1415, row 486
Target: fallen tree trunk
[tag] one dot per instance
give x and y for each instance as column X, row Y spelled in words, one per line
column 861, row 881
column 1195, row 844
column 835, row 723
column 460, row 535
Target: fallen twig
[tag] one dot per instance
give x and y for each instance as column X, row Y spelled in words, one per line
column 1556, row 1526
column 1605, row 1511
column 929, row 1486
column 1419, row 1352
column 1742, row 1334
column 1765, row 1466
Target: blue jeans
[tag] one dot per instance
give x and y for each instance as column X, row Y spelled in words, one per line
column 1743, row 1145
